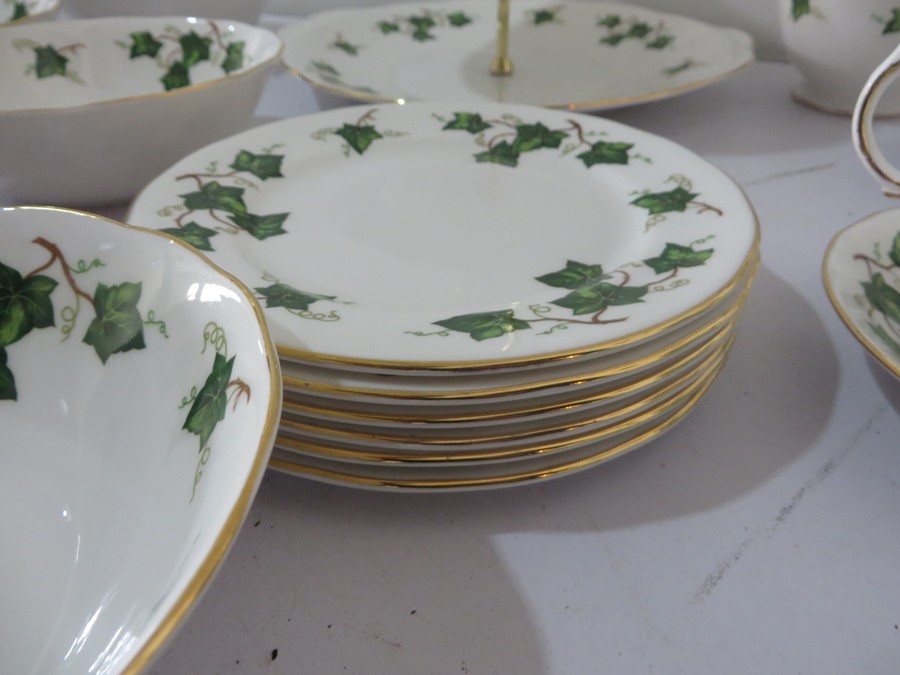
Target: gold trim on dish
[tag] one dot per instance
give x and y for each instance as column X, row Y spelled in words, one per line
column 499, row 454
column 337, row 416
column 862, row 122
column 877, row 353
column 301, row 386
column 750, row 262
column 556, row 425
column 232, row 523
column 334, row 475
column 228, row 77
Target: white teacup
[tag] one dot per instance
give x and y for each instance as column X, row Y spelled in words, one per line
column 836, row 44
column 870, row 99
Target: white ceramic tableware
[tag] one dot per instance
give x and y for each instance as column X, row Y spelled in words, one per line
column 584, row 55
column 92, row 109
column 447, row 236
column 451, row 476
column 139, row 399
column 861, row 272
column 246, row 11
column 835, row 44
column 20, row 11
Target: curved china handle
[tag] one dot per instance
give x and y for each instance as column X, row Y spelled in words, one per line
column 887, row 175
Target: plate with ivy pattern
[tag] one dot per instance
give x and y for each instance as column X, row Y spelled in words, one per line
column 19, row 11
column 425, row 237
column 585, row 55
column 439, row 476
column 861, row 272
column 139, row 400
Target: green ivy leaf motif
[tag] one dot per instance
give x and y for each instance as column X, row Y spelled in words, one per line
column 638, row 30
column 422, row 26
column 262, row 166
column 118, row 326
column 603, row 152
column 144, row 44
column 675, row 255
column 458, row 19
column 283, row 295
column 613, row 40
column 883, row 297
column 194, row 48
column 49, row 62
column 534, row 136
column 485, row 325
column 359, row 137
column 470, row 122
column 209, row 407
column 387, row 27
column 261, row 227
column 894, row 253
column 599, row 296
column 7, row 381
column 234, row 57
column 502, row 153
column 610, row 20
column 661, row 42
column 574, row 275
column 176, row 77
column 800, row 8
column 24, row 304
column 663, row 202
column 346, row 47
column 20, row 11
column 193, row 234
column 544, row 16
column 217, row 197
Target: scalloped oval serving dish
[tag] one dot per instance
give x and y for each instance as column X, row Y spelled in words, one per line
column 139, row 400
column 861, row 272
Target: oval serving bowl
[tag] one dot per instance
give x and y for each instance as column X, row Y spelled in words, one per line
column 92, row 109
column 139, row 399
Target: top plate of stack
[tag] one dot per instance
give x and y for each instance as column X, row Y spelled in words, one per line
column 437, row 238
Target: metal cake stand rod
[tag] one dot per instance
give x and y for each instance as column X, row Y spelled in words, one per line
column 502, row 65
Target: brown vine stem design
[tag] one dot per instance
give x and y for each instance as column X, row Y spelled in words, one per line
column 225, row 225
column 870, row 261
column 57, row 254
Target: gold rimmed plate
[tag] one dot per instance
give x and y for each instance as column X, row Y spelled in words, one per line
column 414, row 238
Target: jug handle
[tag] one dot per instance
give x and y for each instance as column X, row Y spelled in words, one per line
column 885, row 173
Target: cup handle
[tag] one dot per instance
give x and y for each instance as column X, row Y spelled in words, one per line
column 887, row 176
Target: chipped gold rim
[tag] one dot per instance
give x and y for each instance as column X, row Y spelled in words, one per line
column 333, row 475
column 442, row 455
column 188, row 597
column 877, row 353
column 218, row 81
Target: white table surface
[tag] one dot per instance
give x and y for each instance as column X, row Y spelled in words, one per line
column 761, row 535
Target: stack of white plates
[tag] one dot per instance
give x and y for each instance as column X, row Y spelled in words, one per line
column 470, row 296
